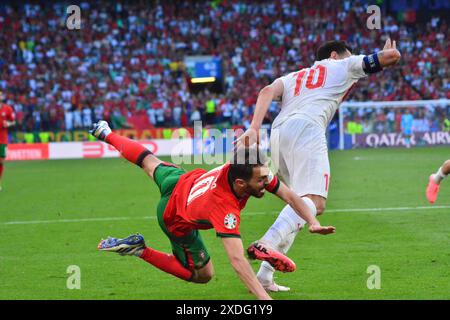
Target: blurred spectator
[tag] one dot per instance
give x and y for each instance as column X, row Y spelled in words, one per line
column 195, row 116
column 210, row 110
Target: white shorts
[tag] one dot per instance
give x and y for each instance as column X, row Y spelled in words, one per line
column 300, row 153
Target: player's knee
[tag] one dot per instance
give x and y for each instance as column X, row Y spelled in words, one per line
column 320, row 206
column 202, row 277
column 446, row 167
column 205, row 279
column 148, row 170
column 149, row 164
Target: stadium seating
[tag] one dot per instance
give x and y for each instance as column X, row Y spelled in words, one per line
column 124, row 61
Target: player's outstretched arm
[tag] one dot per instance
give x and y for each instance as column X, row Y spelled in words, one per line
column 300, row 207
column 387, row 57
column 265, row 98
column 235, row 252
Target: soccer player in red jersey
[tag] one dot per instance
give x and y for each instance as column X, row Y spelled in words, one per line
column 200, row 199
column 7, row 119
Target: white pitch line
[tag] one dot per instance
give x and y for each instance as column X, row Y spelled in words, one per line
column 388, row 209
column 245, row 213
column 75, row 220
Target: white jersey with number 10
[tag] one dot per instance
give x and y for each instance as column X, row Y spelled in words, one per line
column 314, row 93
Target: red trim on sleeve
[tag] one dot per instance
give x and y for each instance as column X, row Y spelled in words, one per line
column 273, row 185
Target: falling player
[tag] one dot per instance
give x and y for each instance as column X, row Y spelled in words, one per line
column 7, row 119
column 309, row 99
column 203, row 200
column 434, row 181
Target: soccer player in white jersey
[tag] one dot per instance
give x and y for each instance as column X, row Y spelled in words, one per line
column 309, row 99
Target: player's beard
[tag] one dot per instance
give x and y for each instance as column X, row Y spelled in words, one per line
column 258, row 193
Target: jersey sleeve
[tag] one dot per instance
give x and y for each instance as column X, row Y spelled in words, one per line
column 274, row 183
column 355, row 66
column 226, row 222
column 287, row 81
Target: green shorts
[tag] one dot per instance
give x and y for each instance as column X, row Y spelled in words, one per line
column 3, row 150
column 190, row 249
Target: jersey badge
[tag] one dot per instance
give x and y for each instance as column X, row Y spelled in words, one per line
column 230, row 221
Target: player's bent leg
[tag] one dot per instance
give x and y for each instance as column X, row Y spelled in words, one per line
column 192, row 253
column 168, row 263
column 150, row 163
column 282, row 232
column 281, row 235
column 134, row 245
column 446, row 167
column 189, row 249
column 131, row 150
column 204, row 274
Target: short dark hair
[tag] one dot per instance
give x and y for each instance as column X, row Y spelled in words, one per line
column 243, row 162
column 328, row 47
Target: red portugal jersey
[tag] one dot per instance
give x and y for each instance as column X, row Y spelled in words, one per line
column 6, row 113
column 205, row 200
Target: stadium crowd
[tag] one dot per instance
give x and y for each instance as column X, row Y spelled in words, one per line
column 388, row 120
column 127, row 57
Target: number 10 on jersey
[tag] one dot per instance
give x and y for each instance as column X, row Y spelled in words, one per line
column 310, row 84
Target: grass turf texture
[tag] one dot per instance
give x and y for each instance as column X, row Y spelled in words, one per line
column 411, row 247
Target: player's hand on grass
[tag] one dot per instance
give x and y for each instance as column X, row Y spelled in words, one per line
column 315, row 228
column 247, row 139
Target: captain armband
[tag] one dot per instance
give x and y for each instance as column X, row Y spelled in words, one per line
column 372, row 64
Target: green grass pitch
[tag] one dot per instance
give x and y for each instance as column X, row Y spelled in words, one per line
column 53, row 214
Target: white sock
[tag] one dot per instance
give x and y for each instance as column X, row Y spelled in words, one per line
column 439, row 176
column 288, row 221
column 281, row 236
column 289, row 239
column 265, row 273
